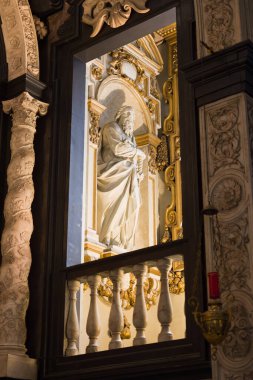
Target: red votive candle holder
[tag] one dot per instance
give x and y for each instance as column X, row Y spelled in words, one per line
column 213, row 282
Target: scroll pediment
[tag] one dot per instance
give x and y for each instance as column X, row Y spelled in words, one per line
column 146, row 52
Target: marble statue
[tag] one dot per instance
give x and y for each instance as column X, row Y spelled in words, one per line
column 120, row 165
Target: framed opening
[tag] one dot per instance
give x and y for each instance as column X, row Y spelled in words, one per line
column 86, row 64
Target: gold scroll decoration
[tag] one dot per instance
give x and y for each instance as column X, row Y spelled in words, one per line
column 170, row 141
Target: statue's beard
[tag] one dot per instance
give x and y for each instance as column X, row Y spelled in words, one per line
column 127, row 128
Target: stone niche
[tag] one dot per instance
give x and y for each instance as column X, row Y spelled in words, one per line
column 126, row 76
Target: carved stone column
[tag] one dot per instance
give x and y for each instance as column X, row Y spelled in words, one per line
column 15, row 241
column 226, row 128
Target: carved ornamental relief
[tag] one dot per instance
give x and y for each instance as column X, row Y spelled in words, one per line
column 224, row 138
column 227, row 184
column 218, row 25
column 231, row 246
column 20, row 38
column 238, row 342
column 114, row 13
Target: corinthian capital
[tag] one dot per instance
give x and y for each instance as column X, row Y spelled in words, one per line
column 24, row 109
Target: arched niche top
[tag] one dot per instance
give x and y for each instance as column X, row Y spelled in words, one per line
column 20, row 38
column 113, row 93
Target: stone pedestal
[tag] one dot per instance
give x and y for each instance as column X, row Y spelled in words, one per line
column 18, row 367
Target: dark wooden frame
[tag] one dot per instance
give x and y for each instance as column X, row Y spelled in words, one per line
column 50, row 209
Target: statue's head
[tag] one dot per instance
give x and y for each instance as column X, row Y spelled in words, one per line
column 125, row 118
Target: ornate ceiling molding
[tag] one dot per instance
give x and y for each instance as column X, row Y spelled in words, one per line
column 114, row 13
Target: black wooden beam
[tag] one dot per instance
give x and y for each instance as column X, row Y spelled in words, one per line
column 222, row 74
column 15, row 87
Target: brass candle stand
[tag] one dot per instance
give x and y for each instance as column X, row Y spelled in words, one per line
column 215, row 321
column 214, row 324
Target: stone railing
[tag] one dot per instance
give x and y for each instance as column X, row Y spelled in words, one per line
column 89, row 276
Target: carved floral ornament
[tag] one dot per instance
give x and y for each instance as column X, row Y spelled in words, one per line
column 220, row 19
column 114, row 13
column 224, row 138
column 227, row 194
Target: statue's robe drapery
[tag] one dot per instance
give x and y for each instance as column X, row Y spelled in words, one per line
column 119, row 197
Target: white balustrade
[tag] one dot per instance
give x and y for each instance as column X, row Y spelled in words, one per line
column 116, row 320
column 72, row 328
column 93, row 322
column 164, row 307
column 140, row 311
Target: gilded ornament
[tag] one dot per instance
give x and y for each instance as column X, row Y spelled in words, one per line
column 126, row 332
column 177, row 148
column 152, row 164
column 162, row 158
column 94, row 130
column 97, row 72
column 114, row 13
column 174, row 59
column 176, row 282
column 168, row 31
column 120, row 56
column 171, row 218
column 166, row 235
column 128, row 296
column 168, row 89
column 151, row 106
column 170, row 174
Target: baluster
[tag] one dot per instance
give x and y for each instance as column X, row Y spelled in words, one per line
column 93, row 321
column 116, row 321
column 165, row 306
column 72, row 328
column 140, row 311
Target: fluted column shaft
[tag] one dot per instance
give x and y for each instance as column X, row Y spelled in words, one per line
column 15, row 241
